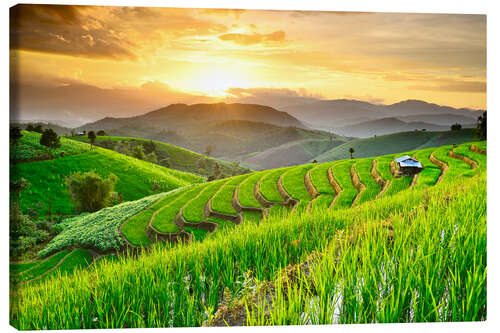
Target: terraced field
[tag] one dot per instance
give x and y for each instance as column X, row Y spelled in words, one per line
column 195, row 211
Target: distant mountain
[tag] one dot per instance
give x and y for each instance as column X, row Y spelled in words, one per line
column 196, row 128
column 334, row 114
column 187, row 117
column 385, row 126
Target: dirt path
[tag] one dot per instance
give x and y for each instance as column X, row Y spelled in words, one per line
column 473, row 164
column 478, row 150
column 333, row 182
column 384, row 184
column 442, row 165
column 356, row 181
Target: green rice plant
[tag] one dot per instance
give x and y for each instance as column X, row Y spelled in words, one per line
column 187, row 281
column 464, row 150
column 16, row 268
column 77, row 259
column 384, row 169
column 342, row 173
column 164, row 218
column 246, row 190
column 251, row 217
column 319, row 178
column 427, row 267
column 198, row 234
column 41, row 268
column 136, row 179
column 293, row 182
column 431, row 172
column 134, row 228
column 194, row 210
column 278, row 211
column 222, row 224
column 481, row 144
column 372, row 189
column 268, row 185
column 456, row 167
column 323, row 201
column 100, row 229
column 222, row 200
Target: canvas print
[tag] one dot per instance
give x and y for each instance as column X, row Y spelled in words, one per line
column 175, row 167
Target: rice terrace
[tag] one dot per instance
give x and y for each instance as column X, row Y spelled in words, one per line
column 155, row 206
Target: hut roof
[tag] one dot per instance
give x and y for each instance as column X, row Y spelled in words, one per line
column 407, row 161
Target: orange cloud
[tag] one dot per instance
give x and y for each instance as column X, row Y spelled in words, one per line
column 249, row 39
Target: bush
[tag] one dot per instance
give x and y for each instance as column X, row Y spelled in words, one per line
column 89, row 192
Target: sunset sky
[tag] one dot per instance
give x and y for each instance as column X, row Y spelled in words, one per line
column 236, row 54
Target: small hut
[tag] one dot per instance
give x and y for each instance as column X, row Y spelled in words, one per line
column 408, row 165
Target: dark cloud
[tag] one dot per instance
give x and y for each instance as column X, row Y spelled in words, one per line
column 250, row 39
column 64, row 30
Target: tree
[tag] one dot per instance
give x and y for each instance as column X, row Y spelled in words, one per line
column 216, row 173
column 89, row 192
column 101, row 133
column 208, row 150
column 481, row 127
column 456, row 127
column 91, row 137
column 15, row 135
column 151, row 157
column 50, row 139
column 30, row 127
column 149, row 147
column 351, row 151
column 315, row 161
column 72, row 133
column 123, row 147
column 138, row 152
column 201, row 167
column 38, row 128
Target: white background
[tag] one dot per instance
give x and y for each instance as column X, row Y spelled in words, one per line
column 419, row 6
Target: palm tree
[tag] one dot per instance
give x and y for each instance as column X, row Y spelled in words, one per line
column 351, row 151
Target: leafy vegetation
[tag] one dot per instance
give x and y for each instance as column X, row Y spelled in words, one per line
column 100, row 229
column 41, row 268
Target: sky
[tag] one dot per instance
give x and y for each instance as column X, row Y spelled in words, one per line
column 279, row 57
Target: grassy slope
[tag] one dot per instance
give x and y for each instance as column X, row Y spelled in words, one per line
column 29, row 147
column 431, row 172
column 246, row 191
column 447, row 239
column 395, row 143
column 179, row 158
column 136, row 178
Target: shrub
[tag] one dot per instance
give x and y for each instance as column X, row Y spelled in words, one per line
column 89, row 192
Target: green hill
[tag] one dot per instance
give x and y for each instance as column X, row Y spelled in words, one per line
column 174, row 157
column 412, row 250
column 396, row 143
column 47, row 190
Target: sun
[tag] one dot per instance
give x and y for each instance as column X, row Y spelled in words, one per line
column 215, row 81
